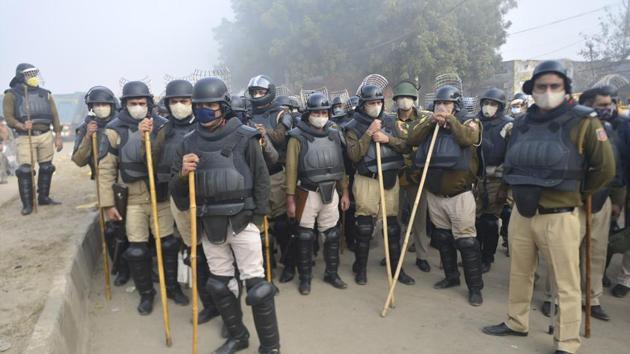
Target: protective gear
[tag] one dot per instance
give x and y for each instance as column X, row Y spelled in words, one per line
column 393, row 237
column 203, row 274
column 39, row 106
column 546, row 67
column 374, row 110
column 138, row 112
column 180, row 110
column 44, row 180
column 541, row 155
column 132, row 161
column 445, row 243
column 391, row 160
column 331, row 257
column 405, row 89
column 136, row 89
column 370, row 93
column 260, row 296
column 223, row 178
column 317, row 102
column 494, row 139
column 239, row 103
column 170, row 248
column 353, row 102
column 100, row 94
column 139, row 260
column 19, row 73
column 471, row 260
column 404, row 103
column 447, row 153
column 604, row 113
column 449, row 94
column 211, row 90
column 321, row 162
column 230, row 310
column 317, row 122
column 101, row 139
column 282, row 101
column 178, row 88
column 261, row 82
column 496, row 95
column 305, row 238
column 488, row 237
column 489, row 111
column 515, row 110
column 175, row 130
column 102, row 112
column 365, row 228
column 519, row 96
column 33, row 81
column 549, row 100
column 206, row 115
column 25, row 186
column 338, row 111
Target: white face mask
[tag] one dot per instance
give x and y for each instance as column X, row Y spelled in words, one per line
column 180, row 110
column 516, row 110
column 404, row 103
column 549, row 100
column 318, row 122
column 489, row 111
column 102, row 111
column 137, row 112
column 373, row 110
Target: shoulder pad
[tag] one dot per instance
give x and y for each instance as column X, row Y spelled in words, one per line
column 159, row 120
column 583, row 111
column 247, row 131
column 47, row 91
column 508, row 118
column 113, row 124
column 287, row 120
column 295, row 132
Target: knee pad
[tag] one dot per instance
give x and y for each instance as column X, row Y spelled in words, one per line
column 304, row 234
column 23, row 171
column 218, row 286
column 258, row 291
column 332, row 234
column 365, row 227
column 137, row 252
column 466, row 242
column 170, row 244
column 441, row 236
column 47, row 167
column 393, row 227
column 280, row 225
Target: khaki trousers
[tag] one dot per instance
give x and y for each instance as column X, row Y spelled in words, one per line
column 420, row 239
column 140, row 218
column 456, row 213
column 367, row 196
column 557, row 236
column 43, row 148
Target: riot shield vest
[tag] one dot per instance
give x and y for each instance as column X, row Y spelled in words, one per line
column 390, row 159
column 39, row 107
column 447, row 153
column 269, row 119
column 541, row 155
column 132, row 162
column 175, row 130
column 493, row 145
column 321, row 162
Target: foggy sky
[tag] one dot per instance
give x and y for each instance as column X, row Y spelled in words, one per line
column 77, row 44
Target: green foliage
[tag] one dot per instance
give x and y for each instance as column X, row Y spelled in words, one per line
column 612, row 43
column 337, row 43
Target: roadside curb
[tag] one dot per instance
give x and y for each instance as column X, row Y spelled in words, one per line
column 63, row 325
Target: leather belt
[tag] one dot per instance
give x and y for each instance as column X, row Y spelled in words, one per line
column 543, row 211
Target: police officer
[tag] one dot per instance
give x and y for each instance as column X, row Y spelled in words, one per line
column 180, row 121
column 555, row 152
column 453, row 169
column 315, row 160
column 491, row 191
column 24, row 90
column 369, row 125
column 126, row 157
column 273, row 123
column 340, row 115
column 405, row 97
column 239, row 107
column 102, row 105
column 232, row 197
column 518, row 105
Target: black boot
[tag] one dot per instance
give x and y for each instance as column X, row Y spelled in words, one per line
column 393, row 236
column 117, row 244
column 25, row 186
column 471, row 259
column 365, row 227
column 46, row 170
column 260, row 296
column 203, row 274
column 139, row 261
column 506, row 213
column 331, row 257
column 230, row 310
column 305, row 239
column 443, row 240
column 122, row 268
column 488, row 229
column 170, row 249
column 288, row 248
